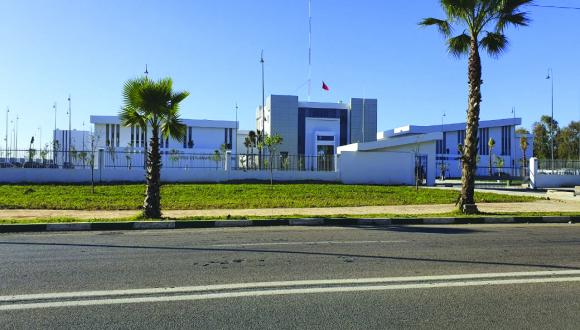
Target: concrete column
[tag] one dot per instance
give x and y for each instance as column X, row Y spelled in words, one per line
column 227, row 161
column 101, row 163
column 533, row 172
column 336, row 162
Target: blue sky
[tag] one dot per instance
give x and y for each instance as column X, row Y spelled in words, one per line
column 370, row 48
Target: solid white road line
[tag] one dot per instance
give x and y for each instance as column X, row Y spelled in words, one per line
column 277, row 284
column 306, row 243
column 278, row 292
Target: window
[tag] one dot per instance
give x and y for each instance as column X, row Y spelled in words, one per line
column 506, row 140
column 482, row 139
column 107, row 142
column 441, row 145
column 118, row 133
column 190, row 139
column 325, row 138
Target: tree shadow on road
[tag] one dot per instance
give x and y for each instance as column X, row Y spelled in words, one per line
column 426, row 230
column 288, row 252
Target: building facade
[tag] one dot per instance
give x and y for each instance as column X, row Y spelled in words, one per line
column 506, row 156
column 75, row 140
column 202, row 136
column 316, row 128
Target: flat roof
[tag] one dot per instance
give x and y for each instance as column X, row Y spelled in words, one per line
column 323, row 105
column 391, row 143
column 416, row 129
column 189, row 122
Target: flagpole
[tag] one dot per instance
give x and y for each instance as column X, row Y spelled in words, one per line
column 309, row 48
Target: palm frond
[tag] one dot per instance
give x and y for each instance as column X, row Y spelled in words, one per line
column 459, row 45
column 494, row 43
column 173, row 127
column 130, row 116
column 442, row 25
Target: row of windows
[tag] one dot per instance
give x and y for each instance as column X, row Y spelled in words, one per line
column 112, row 133
column 441, row 145
column 138, row 137
column 483, row 138
column 506, row 141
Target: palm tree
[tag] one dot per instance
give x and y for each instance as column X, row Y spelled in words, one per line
column 248, row 145
column 153, row 104
column 253, row 143
column 483, row 23
column 490, row 144
column 524, row 147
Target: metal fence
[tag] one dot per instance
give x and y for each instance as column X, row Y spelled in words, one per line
column 33, row 158
column 483, row 172
column 245, row 162
column 283, row 162
column 170, row 159
column 559, row 167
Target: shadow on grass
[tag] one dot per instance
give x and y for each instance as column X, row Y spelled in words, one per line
column 287, row 252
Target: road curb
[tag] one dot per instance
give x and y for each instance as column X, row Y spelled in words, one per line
column 182, row 224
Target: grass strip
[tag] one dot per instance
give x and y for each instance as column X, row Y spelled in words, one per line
column 231, row 196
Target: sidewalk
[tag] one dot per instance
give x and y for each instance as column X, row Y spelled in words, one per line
column 539, row 206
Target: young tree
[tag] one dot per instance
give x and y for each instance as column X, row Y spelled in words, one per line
column 483, row 23
column 94, row 141
column 499, row 162
column 524, row 143
column 271, row 143
column 153, row 104
column 490, row 144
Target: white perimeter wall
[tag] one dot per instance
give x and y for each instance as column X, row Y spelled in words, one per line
column 541, row 180
column 388, row 168
column 36, row 175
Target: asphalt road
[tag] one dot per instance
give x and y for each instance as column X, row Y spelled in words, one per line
column 386, row 278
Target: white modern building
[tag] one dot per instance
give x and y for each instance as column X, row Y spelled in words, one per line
column 506, row 156
column 316, row 128
column 202, row 136
column 73, row 139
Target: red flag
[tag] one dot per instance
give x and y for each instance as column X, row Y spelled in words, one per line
column 325, row 87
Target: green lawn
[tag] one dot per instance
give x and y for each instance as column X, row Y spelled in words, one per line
column 234, row 196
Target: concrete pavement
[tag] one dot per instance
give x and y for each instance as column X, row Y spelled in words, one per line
column 537, row 206
column 105, row 261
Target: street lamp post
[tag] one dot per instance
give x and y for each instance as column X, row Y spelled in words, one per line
column 16, row 134
column 237, row 127
column 69, row 130
column 550, row 77
column 6, row 138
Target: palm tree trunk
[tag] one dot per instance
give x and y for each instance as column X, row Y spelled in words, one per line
column 490, row 169
column 152, row 203
column 466, row 201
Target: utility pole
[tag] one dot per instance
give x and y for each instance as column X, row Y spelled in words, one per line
column 83, row 133
column 16, row 134
column 69, row 128
column 237, row 127
column 54, row 132
column 144, row 133
column 6, row 138
column 551, row 77
column 263, row 107
column 309, row 49
column 514, row 153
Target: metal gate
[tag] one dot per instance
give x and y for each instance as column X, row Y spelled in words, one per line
column 421, row 169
